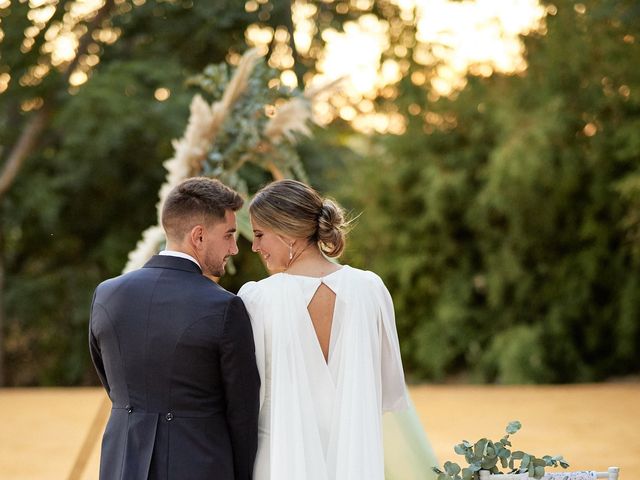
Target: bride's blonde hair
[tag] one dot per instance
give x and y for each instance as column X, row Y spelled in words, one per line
column 292, row 208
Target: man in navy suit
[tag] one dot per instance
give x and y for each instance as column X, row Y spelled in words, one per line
column 175, row 352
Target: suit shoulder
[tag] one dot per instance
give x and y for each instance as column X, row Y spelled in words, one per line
column 209, row 284
column 111, row 284
column 211, row 293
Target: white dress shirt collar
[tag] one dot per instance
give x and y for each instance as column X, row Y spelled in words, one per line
column 174, row 253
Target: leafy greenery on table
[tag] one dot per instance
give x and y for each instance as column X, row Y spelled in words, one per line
column 488, row 455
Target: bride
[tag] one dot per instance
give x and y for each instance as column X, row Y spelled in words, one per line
column 326, row 344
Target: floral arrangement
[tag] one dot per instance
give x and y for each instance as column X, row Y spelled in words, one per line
column 486, row 454
column 248, row 122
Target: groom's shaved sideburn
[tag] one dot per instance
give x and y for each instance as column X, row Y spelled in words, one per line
column 197, row 201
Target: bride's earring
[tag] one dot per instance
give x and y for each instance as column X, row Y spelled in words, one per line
column 290, row 251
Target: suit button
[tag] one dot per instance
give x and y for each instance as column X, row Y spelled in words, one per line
column 169, row 416
column 129, row 409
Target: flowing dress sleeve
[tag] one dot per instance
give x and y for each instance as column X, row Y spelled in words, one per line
column 394, row 391
column 408, row 454
column 250, row 295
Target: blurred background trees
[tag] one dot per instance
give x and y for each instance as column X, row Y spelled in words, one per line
column 503, row 216
column 502, row 222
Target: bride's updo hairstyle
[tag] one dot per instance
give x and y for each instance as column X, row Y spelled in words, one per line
column 291, row 208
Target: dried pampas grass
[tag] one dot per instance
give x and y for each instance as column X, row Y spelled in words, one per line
column 204, row 123
column 293, row 116
column 191, row 150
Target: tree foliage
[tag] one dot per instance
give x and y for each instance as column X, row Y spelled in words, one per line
column 506, row 220
column 88, row 184
column 89, row 187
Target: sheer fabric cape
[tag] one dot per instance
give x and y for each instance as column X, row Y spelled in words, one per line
column 321, row 419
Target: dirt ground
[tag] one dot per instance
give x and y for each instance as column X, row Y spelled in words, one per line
column 51, row 434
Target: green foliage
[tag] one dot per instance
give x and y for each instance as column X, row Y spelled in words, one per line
column 90, row 187
column 241, row 139
column 508, row 237
column 505, row 221
column 488, row 455
column 78, row 209
column 243, row 155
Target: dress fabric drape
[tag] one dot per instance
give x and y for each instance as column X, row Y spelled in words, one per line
column 322, row 420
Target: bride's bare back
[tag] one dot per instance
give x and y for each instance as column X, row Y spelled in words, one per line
column 321, row 309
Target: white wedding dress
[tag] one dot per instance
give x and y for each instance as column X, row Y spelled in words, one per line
column 322, row 420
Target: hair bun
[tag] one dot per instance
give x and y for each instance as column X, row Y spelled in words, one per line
column 292, row 208
column 331, row 228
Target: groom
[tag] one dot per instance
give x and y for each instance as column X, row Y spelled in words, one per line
column 175, row 352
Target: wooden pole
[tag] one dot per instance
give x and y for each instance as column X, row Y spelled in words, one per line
column 91, row 440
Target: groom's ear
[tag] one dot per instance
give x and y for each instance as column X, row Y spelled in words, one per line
column 196, row 236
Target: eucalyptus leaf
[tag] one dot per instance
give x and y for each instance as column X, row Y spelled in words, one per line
column 467, row 474
column 478, row 448
column 489, row 463
column 451, row 468
column 490, row 451
column 513, row 427
column 460, row 449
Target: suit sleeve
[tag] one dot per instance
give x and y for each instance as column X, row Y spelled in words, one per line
column 94, row 349
column 241, row 386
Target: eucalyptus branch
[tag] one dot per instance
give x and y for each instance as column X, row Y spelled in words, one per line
column 486, row 454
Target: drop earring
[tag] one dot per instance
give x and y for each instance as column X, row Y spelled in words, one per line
column 290, row 251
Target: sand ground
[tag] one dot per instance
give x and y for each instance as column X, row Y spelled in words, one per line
column 53, row 434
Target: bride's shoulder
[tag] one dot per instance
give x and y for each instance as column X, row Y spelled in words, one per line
column 365, row 278
column 256, row 289
column 369, row 285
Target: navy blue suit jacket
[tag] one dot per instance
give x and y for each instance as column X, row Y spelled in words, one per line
column 175, row 353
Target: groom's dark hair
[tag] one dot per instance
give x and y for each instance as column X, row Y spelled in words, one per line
column 197, row 200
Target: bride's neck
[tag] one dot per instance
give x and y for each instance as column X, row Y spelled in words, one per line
column 311, row 262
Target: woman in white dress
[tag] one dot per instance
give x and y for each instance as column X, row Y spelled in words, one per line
column 326, row 344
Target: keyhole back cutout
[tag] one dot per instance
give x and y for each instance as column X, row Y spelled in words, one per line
column 321, row 309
